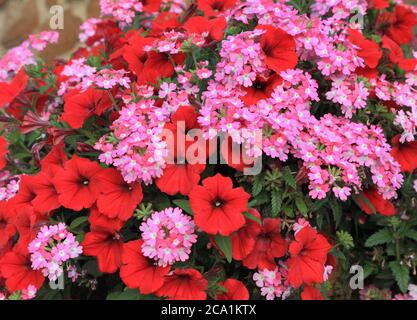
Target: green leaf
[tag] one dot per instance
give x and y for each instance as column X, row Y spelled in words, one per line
column 252, row 217
column 225, row 245
column 401, row 275
column 78, row 222
column 301, row 206
column 380, row 237
column 257, row 185
column 128, row 294
column 276, row 202
column 161, row 202
column 261, row 199
column 184, row 205
column 345, row 238
column 289, row 178
column 411, row 234
column 337, row 212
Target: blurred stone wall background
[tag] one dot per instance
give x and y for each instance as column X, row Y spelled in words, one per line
column 19, row 18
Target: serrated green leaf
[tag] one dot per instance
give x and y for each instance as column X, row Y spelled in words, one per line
column 337, row 212
column 257, row 185
column 411, row 234
column 381, row 237
column 259, row 200
column 301, row 206
column 184, row 205
column 276, row 202
column 225, row 245
column 401, row 275
column 289, row 178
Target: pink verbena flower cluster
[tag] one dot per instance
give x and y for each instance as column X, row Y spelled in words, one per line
column 53, row 246
column 22, row 55
column 123, row 10
column 410, row 295
column 9, row 185
column 318, row 39
column 173, row 42
column 350, row 92
column 168, row 236
column 273, row 283
column 136, row 147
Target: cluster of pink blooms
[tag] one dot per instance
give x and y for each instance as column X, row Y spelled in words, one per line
column 9, row 185
column 136, row 147
column 22, row 55
column 273, row 283
column 335, row 150
column 168, row 236
column 123, row 10
column 319, row 39
column 88, row 29
column 52, row 248
column 410, row 295
column 350, row 92
column 26, row 294
column 172, row 42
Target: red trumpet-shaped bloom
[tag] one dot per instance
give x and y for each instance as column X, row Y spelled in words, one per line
column 308, row 255
column 217, row 206
column 139, row 272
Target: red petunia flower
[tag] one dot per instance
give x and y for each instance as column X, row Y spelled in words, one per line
column 3, row 152
column 117, row 198
column 401, row 24
column 179, row 178
column 236, row 290
column 139, row 272
column 261, row 89
column 184, row 284
column 396, row 55
column 268, row 246
column 79, row 106
column 213, row 27
column 56, row 157
column 135, row 54
column 15, row 267
column 217, row 206
column 308, row 255
column 7, row 227
column 405, row 154
column 165, row 21
column 46, row 198
column 369, row 50
column 311, row 293
column 243, row 240
column 378, row 4
column 106, row 245
column 279, row 49
column 159, row 65
column 75, row 183
column 151, row 6
column 212, row 8
column 381, row 205
column 10, row 91
column 28, row 222
column 26, row 193
column 99, row 220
